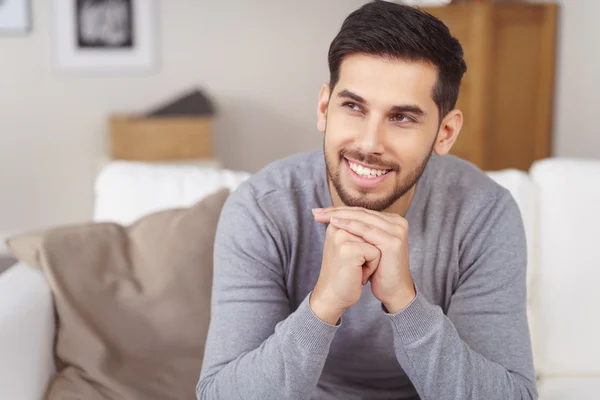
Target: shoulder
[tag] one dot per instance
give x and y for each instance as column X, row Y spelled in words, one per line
column 288, row 174
column 283, row 184
column 481, row 208
column 462, row 184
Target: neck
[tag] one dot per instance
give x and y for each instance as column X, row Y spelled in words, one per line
column 399, row 207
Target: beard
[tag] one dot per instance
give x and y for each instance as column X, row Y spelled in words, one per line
column 365, row 198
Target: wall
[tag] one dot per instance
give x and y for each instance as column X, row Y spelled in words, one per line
column 262, row 62
column 576, row 132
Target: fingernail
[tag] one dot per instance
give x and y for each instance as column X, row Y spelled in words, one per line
column 317, row 211
column 335, row 220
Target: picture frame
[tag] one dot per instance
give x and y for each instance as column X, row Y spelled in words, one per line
column 15, row 18
column 105, row 35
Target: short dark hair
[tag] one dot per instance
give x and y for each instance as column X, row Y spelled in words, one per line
column 402, row 32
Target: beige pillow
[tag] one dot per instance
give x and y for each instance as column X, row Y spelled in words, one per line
column 133, row 303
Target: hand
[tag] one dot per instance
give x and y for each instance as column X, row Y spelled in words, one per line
column 391, row 282
column 348, row 262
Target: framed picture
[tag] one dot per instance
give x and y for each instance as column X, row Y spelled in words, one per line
column 14, row 16
column 105, row 35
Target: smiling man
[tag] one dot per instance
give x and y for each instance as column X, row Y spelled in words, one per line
column 380, row 267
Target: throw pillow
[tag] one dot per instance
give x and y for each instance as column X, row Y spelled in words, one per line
column 132, row 303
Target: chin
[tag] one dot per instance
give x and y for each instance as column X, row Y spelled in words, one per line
column 352, row 197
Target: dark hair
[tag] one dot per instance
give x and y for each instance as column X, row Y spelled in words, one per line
column 402, row 32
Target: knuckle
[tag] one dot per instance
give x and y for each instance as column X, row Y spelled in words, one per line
column 345, row 249
column 330, row 231
column 339, row 237
column 397, row 243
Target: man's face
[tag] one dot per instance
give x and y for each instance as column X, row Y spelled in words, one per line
column 380, row 127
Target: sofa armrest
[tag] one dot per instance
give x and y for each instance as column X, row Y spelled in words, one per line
column 27, row 329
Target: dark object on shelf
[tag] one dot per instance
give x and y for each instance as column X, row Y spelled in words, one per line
column 191, row 104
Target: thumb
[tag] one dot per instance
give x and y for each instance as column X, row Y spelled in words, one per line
column 371, row 255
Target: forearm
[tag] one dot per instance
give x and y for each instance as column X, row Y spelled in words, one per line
column 441, row 365
column 285, row 366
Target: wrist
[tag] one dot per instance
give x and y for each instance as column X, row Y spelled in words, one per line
column 324, row 310
column 400, row 302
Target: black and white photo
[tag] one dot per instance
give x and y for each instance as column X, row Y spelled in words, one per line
column 105, row 35
column 105, row 24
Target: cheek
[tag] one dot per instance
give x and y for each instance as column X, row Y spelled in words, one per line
column 409, row 147
column 341, row 129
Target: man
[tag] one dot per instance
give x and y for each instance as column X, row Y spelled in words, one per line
column 381, row 267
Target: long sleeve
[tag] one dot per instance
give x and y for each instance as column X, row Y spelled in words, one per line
column 479, row 349
column 256, row 348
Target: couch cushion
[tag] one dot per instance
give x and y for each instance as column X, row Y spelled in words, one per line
column 570, row 388
column 128, row 190
column 133, row 303
column 567, row 286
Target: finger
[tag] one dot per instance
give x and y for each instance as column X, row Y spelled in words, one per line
column 386, row 215
column 371, row 256
column 368, row 218
column 351, row 213
column 390, row 217
column 331, row 230
column 341, row 236
column 369, row 233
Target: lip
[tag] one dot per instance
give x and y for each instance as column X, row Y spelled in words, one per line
column 364, row 182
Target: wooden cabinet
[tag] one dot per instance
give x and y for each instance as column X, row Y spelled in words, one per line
column 507, row 92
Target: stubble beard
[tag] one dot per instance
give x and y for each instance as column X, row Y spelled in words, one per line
column 363, row 199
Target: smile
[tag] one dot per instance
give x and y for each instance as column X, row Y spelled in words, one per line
column 364, row 172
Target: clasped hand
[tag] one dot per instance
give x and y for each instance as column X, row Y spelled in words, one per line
column 362, row 245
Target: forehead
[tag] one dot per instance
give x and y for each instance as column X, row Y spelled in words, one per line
column 384, row 81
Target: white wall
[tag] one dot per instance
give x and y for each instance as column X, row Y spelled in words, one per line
column 577, row 105
column 577, row 133
column 262, row 62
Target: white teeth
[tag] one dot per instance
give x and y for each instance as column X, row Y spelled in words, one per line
column 366, row 172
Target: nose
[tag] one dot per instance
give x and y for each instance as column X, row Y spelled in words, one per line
column 371, row 138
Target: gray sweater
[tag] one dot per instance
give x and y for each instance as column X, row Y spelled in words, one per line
column 465, row 336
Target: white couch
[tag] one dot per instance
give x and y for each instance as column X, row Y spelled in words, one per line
column 560, row 203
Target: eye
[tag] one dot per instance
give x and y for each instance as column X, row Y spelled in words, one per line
column 352, row 106
column 402, row 118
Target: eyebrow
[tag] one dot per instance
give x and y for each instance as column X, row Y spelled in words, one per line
column 397, row 109
column 409, row 108
column 350, row 95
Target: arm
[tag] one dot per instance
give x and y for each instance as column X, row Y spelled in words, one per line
column 256, row 347
column 481, row 349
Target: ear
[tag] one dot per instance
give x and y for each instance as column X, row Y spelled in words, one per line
column 448, row 132
column 322, row 108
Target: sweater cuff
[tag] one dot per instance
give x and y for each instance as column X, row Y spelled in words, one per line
column 309, row 331
column 417, row 320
